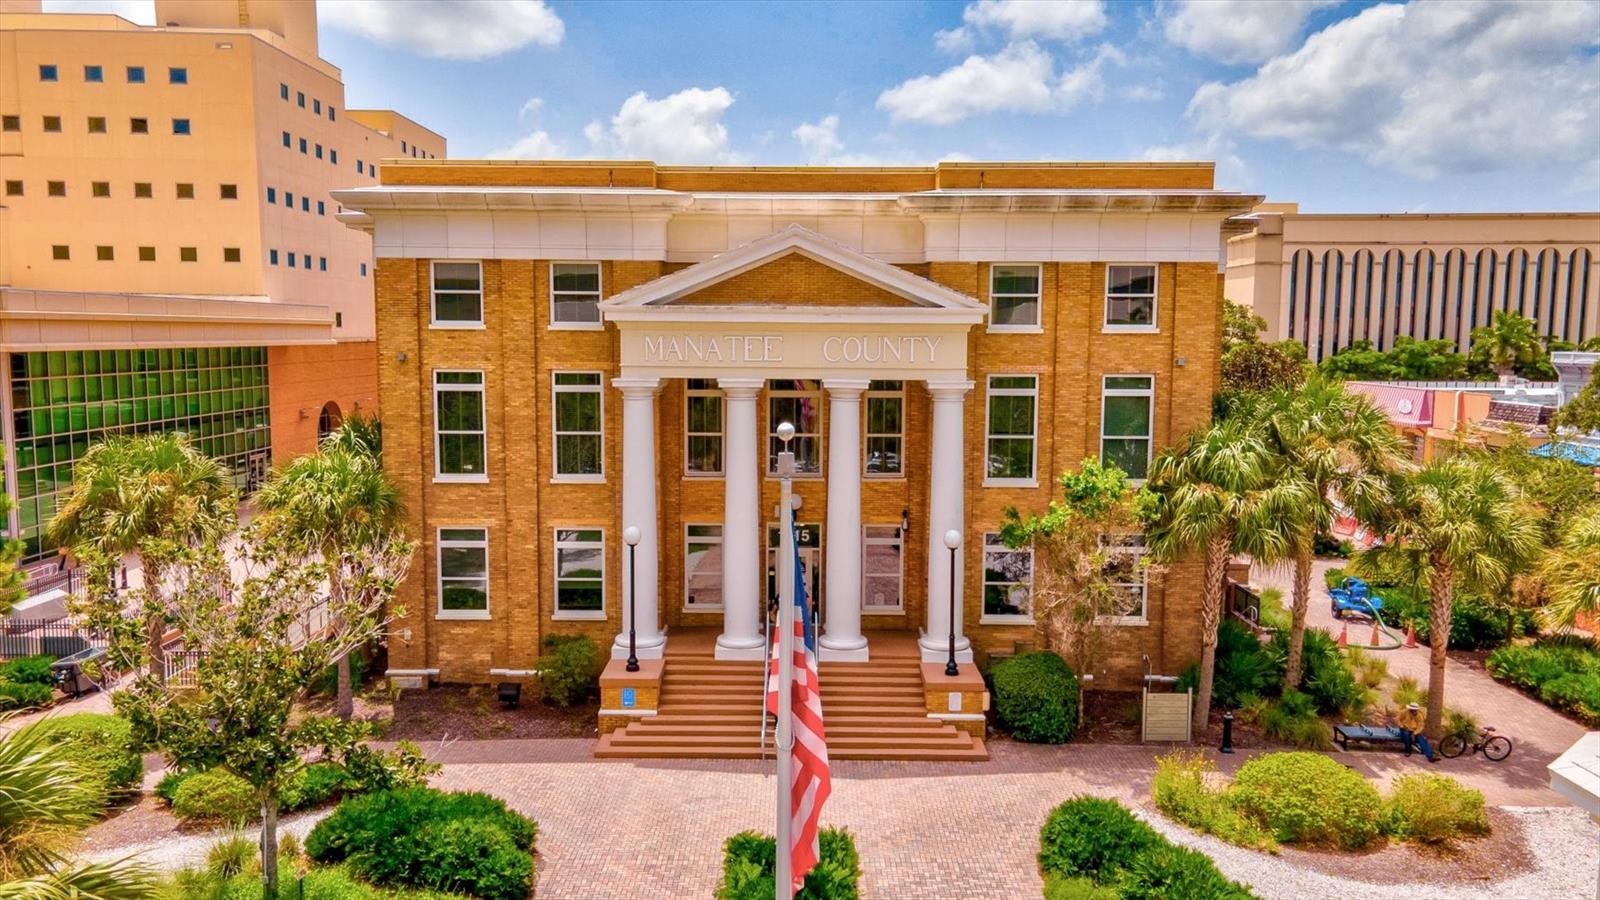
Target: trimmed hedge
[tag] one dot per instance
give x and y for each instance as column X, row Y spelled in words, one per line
column 569, row 669
column 217, row 796
column 421, row 837
column 1091, row 849
column 314, row 785
column 1307, row 798
column 749, row 866
column 1036, row 697
column 102, row 746
column 1563, row 672
column 167, row 787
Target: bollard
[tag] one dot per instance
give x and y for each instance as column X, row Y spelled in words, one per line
column 1227, row 733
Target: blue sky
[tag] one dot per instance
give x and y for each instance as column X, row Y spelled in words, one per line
column 1437, row 107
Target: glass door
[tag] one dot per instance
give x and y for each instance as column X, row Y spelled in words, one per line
column 809, row 535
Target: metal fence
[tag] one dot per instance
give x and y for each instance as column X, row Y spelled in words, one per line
column 182, row 668
column 1244, row 603
column 47, row 637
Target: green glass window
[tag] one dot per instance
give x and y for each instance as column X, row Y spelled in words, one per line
column 1012, row 422
column 579, row 441
column 1125, row 423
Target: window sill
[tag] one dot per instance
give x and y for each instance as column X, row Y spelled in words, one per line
column 1131, row 621
column 702, row 476
column 577, row 326
column 462, row 615
column 1014, row 329
column 884, row 611
column 691, row 610
column 1130, row 329
column 458, row 326
column 1011, row 482
column 883, row 476
column 578, row 479
column 1005, row 620
column 798, row 476
column 578, row 616
column 460, row 479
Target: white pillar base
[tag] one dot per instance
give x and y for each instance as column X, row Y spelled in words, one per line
column 842, row 654
column 646, row 649
column 938, row 651
column 740, row 650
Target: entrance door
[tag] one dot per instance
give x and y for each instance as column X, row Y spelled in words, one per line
column 810, row 540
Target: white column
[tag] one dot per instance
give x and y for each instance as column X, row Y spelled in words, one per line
column 841, row 638
column 639, row 511
column 741, row 523
column 946, row 499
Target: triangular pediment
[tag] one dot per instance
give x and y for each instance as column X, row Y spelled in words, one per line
column 793, row 267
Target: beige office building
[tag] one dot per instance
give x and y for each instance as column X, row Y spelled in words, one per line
column 170, row 256
column 1329, row 280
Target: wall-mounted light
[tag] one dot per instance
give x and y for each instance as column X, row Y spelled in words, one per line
column 905, row 521
column 401, row 356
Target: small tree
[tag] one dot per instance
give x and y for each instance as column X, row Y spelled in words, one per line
column 13, row 582
column 262, row 628
column 1582, row 413
column 1508, row 345
column 1074, row 577
column 1572, row 569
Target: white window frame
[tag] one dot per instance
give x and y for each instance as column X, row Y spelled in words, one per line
column 987, row 618
column 433, row 294
column 483, row 408
column 1106, row 325
column 899, row 540
column 1150, row 397
column 1143, row 618
column 988, row 433
column 599, row 294
column 599, row 390
column 867, row 435
column 581, row 615
column 819, row 434
column 1038, row 301
column 700, row 539
column 721, row 436
column 440, row 544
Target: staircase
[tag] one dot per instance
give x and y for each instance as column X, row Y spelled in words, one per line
column 711, row 709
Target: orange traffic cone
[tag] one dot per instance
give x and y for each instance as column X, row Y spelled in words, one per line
column 1374, row 641
column 1411, row 635
column 1344, row 636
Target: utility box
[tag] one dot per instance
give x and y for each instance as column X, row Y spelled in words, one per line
column 1167, row 717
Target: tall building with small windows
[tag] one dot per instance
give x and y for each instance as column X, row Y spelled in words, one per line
column 571, row 351
column 170, row 253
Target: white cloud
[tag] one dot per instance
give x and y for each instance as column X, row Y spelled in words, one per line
column 1428, row 88
column 953, row 40
column 1020, row 78
column 140, row 12
column 1143, row 93
column 820, row 140
column 1232, row 173
column 448, row 29
column 1060, row 20
column 537, row 145
column 1237, row 31
column 685, row 127
column 530, row 109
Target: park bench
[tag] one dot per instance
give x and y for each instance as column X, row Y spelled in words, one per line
column 1395, row 738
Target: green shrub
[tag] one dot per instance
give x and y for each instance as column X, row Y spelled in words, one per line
column 749, row 866
column 1181, row 791
column 167, row 787
column 1434, row 809
column 1308, row 798
column 24, row 695
column 314, row 785
column 1293, row 720
column 1092, row 838
column 215, row 796
column 1475, row 624
column 1563, row 672
column 392, row 838
column 1368, row 669
column 230, row 855
column 1274, row 614
column 1166, row 872
column 1324, row 675
column 1333, row 577
column 333, row 883
column 1059, row 887
column 327, row 683
column 569, row 669
column 102, row 746
column 1036, row 697
column 1244, row 668
column 1407, row 691
column 29, row 670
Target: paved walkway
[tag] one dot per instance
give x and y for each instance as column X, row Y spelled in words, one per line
column 1538, row 733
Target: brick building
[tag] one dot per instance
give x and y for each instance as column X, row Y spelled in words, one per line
column 567, row 350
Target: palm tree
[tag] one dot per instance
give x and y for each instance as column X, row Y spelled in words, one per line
column 1218, row 493
column 1511, row 341
column 44, row 802
column 146, row 495
column 334, row 502
column 1339, row 449
column 358, row 434
column 1463, row 524
column 1572, row 571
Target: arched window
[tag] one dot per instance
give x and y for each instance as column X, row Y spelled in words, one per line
column 1332, row 289
column 1483, row 282
column 1361, row 296
column 1546, row 266
column 1394, row 275
column 1300, row 292
column 1422, row 294
column 1455, row 297
column 1516, row 293
column 1578, row 263
column 328, row 420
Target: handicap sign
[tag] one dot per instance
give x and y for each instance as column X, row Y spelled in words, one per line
column 628, row 698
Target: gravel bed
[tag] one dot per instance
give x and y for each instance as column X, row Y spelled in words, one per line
column 1564, row 843
column 175, row 852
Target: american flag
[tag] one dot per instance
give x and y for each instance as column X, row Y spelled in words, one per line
column 812, row 782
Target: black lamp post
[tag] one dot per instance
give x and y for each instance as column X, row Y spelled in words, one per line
column 952, row 539
column 630, row 536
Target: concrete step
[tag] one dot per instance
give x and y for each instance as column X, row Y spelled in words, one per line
column 607, row 749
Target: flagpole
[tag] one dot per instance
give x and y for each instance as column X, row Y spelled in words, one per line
column 784, row 736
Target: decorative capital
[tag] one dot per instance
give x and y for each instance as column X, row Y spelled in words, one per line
column 949, row 390
column 741, row 388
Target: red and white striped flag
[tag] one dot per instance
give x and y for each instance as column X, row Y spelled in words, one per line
column 812, row 782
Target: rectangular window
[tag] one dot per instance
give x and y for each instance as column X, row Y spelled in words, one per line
column 457, row 294
column 1013, row 419
column 94, row 74
column 272, row 257
column 303, row 145
column 797, row 401
column 13, row 187
column 97, row 124
column 288, row 199
column 180, row 126
column 52, row 123
column 291, row 259
column 361, row 167
column 319, row 151
column 177, row 75
column 300, row 99
column 305, row 203
column 459, row 450
column 333, row 157
column 702, row 417
column 702, row 567
column 136, row 74
column 144, row 190
column 306, row 261
column 331, row 116
column 338, row 320
column 886, row 404
column 138, row 126
column 104, row 253
column 272, row 195
column 188, row 254
column 363, row 270
column 579, row 423
column 47, row 73
column 55, row 188
column 147, row 254
column 230, row 254
column 1127, row 576
column 10, row 123
column 287, row 141
column 575, row 294
column 322, row 263
column 283, row 91
column 100, row 188
column 60, row 251
column 228, row 191
column 580, row 573
column 1014, row 297
column 321, row 210
column 882, row 568
column 316, row 107
column 1126, row 412
column 185, row 190
column 1131, row 298
column 1007, row 580
column 463, row 573
column 402, row 148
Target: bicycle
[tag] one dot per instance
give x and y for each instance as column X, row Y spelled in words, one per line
column 1494, row 746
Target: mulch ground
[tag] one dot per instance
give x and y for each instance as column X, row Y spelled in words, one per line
column 473, row 713
column 1502, row 853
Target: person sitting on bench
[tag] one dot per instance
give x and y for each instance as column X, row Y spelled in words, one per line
column 1411, row 720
